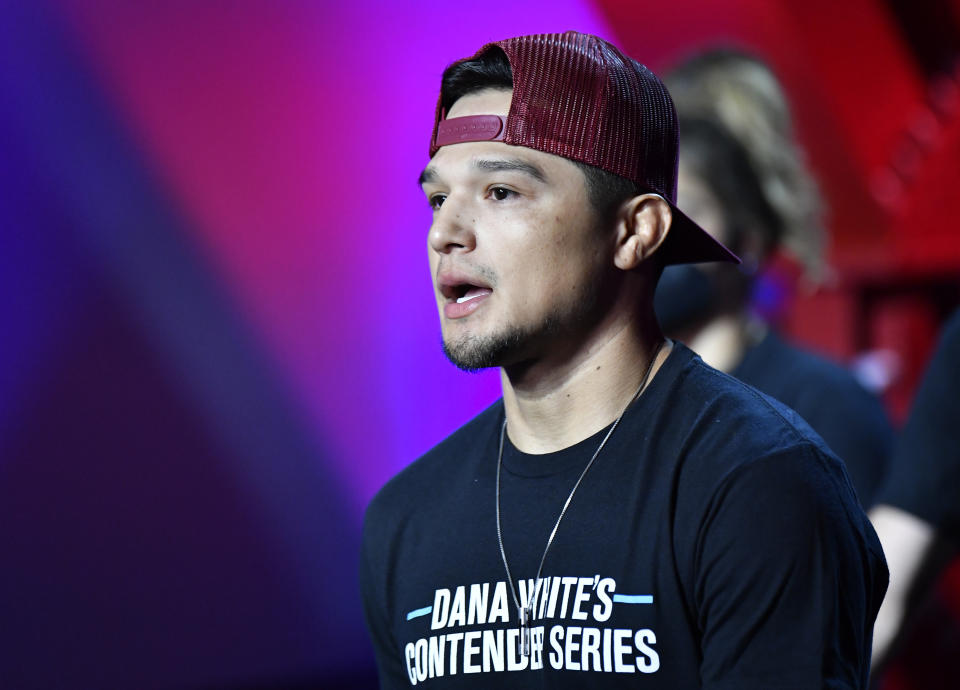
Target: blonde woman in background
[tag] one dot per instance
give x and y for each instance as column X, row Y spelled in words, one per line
column 744, row 178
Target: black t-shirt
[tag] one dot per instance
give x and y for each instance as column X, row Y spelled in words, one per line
column 715, row 543
column 849, row 418
column 924, row 477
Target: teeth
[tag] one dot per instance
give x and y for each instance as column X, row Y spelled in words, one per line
column 473, row 293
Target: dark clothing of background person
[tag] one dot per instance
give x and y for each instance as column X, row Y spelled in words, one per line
column 849, row 418
column 924, row 474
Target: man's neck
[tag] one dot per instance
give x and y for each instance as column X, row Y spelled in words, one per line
column 553, row 405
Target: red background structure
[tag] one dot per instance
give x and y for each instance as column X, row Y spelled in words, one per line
column 882, row 130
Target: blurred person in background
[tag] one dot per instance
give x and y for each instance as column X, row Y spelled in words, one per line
column 743, row 176
column 919, row 502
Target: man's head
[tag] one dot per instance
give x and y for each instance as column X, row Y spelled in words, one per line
column 552, row 180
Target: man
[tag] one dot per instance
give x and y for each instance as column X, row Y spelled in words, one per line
column 625, row 515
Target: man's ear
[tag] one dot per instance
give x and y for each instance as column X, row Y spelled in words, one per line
column 642, row 225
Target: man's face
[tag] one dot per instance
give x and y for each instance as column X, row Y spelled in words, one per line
column 516, row 251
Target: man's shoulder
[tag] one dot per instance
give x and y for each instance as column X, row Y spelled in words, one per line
column 466, row 437
column 741, row 442
column 439, row 466
column 722, row 399
column 728, row 424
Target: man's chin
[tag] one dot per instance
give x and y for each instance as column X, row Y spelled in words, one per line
column 468, row 358
column 474, row 353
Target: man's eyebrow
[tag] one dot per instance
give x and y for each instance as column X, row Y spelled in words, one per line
column 428, row 175
column 511, row 164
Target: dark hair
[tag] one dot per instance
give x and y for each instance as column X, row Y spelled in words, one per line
column 717, row 158
column 492, row 70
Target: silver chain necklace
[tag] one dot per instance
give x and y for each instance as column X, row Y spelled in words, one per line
column 525, row 613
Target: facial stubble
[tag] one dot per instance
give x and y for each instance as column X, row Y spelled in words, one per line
column 516, row 343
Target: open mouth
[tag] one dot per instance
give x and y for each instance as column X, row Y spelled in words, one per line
column 462, row 298
column 469, row 292
column 463, row 292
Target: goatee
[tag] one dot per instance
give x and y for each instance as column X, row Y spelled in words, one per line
column 473, row 353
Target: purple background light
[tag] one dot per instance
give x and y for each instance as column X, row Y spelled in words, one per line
column 292, row 137
column 223, row 339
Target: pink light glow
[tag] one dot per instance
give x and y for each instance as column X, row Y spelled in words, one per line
column 291, row 136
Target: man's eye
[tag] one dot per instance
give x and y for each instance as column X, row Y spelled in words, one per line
column 500, row 193
column 436, row 201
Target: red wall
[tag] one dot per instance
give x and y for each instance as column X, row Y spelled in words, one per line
column 883, row 135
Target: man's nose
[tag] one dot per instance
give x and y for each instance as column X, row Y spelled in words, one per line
column 452, row 229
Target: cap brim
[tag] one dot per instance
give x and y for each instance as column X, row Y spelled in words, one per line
column 688, row 243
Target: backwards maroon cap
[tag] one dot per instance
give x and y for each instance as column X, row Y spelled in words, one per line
column 577, row 96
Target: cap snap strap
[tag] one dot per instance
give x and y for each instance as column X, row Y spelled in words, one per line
column 471, row 128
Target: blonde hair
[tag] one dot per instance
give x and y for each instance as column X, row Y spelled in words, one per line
column 742, row 94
